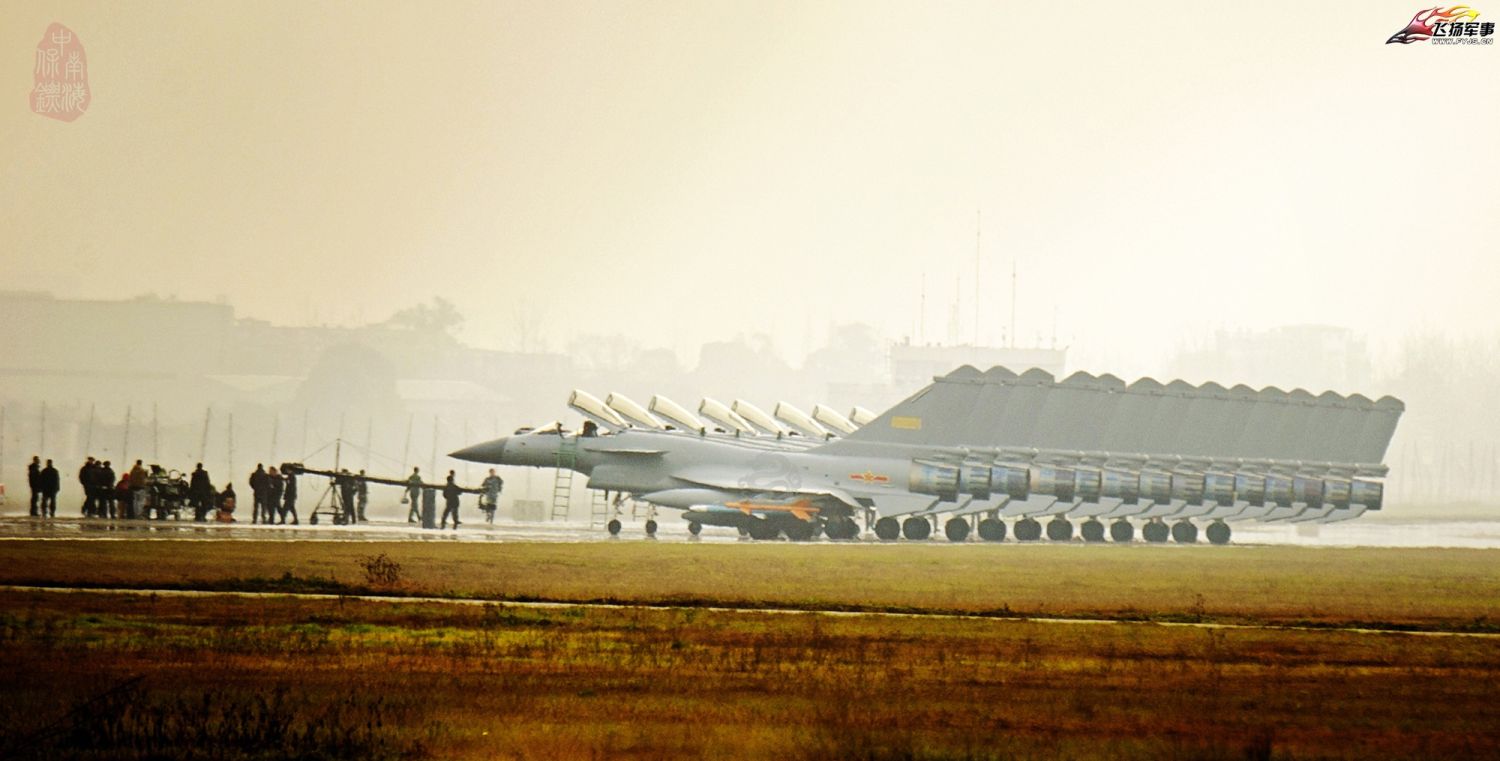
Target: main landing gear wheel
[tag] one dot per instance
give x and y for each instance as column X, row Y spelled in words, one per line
column 888, row 529
column 1059, row 529
column 916, row 529
column 1184, row 532
column 613, row 526
column 1218, row 532
column 761, row 530
column 695, row 528
column 992, row 530
column 1028, row 530
column 1121, row 532
column 841, row 528
column 651, row 528
column 957, row 529
column 1155, row 532
column 801, row 531
column 1092, row 530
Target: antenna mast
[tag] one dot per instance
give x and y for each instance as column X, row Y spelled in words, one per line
column 1013, row 304
column 978, row 231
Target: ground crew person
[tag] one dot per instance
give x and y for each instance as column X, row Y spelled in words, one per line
column 490, row 500
column 274, row 485
column 34, row 481
column 345, row 484
column 51, row 483
column 414, row 495
column 450, row 502
column 361, row 496
column 138, row 479
column 289, row 498
column 200, row 493
column 258, row 514
column 226, row 505
column 86, row 480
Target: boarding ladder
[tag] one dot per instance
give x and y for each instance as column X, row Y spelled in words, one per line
column 598, row 508
column 562, row 481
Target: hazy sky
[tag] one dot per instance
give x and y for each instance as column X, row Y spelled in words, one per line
column 685, row 171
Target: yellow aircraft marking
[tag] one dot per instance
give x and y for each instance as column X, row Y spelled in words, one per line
column 907, row 423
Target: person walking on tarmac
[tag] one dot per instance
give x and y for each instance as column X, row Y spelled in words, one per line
column 258, row 513
column 106, row 504
column 450, row 502
column 51, row 483
column 489, row 501
column 200, row 493
column 289, row 498
column 274, row 485
column 138, row 479
column 347, row 489
column 361, row 496
column 34, row 481
column 414, row 496
column 86, row 480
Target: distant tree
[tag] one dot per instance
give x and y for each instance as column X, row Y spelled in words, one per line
column 438, row 316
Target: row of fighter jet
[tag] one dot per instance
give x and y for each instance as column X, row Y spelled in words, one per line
column 942, row 455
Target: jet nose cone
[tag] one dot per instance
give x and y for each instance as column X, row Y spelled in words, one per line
column 489, row 452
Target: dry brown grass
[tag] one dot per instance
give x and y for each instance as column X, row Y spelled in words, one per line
column 1418, row 588
column 270, row 678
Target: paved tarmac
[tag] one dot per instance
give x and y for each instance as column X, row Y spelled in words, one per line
column 1360, row 533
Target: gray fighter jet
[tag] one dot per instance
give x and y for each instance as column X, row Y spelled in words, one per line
column 978, row 448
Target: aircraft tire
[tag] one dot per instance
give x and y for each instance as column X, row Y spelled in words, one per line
column 1218, row 532
column 916, row 529
column 1028, row 530
column 1156, row 532
column 1059, row 529
column 1092, row 530
column 992, row 530
column 957, row 529
column 695, row 528
column 1184, row 532
column 1121, row 532
column 801, row 531
column 650, row 528
column 888, row 529
column 762, row 531
column 613, row 526
column 841, row 528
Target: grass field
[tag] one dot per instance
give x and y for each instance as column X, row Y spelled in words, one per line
column 104, row 675
column 1388, row 588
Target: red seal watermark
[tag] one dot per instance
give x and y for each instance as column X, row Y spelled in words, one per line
column 61, row 76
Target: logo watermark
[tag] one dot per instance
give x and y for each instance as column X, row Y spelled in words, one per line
column 61, row 76
column 1458, row 25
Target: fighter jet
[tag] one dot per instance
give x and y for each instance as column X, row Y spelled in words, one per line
column 982, row 447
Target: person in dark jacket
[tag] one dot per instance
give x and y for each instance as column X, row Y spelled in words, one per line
column 274, row 485
column 289, row 498
column 414, row 495
column 226, row 505
column 347, row 495
column 450, row 502
column 362, row 497
column 200, row 493
column 104, row 488
column 34, row 481
column 51, row 484
column 86, row 480
column 258, row 513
